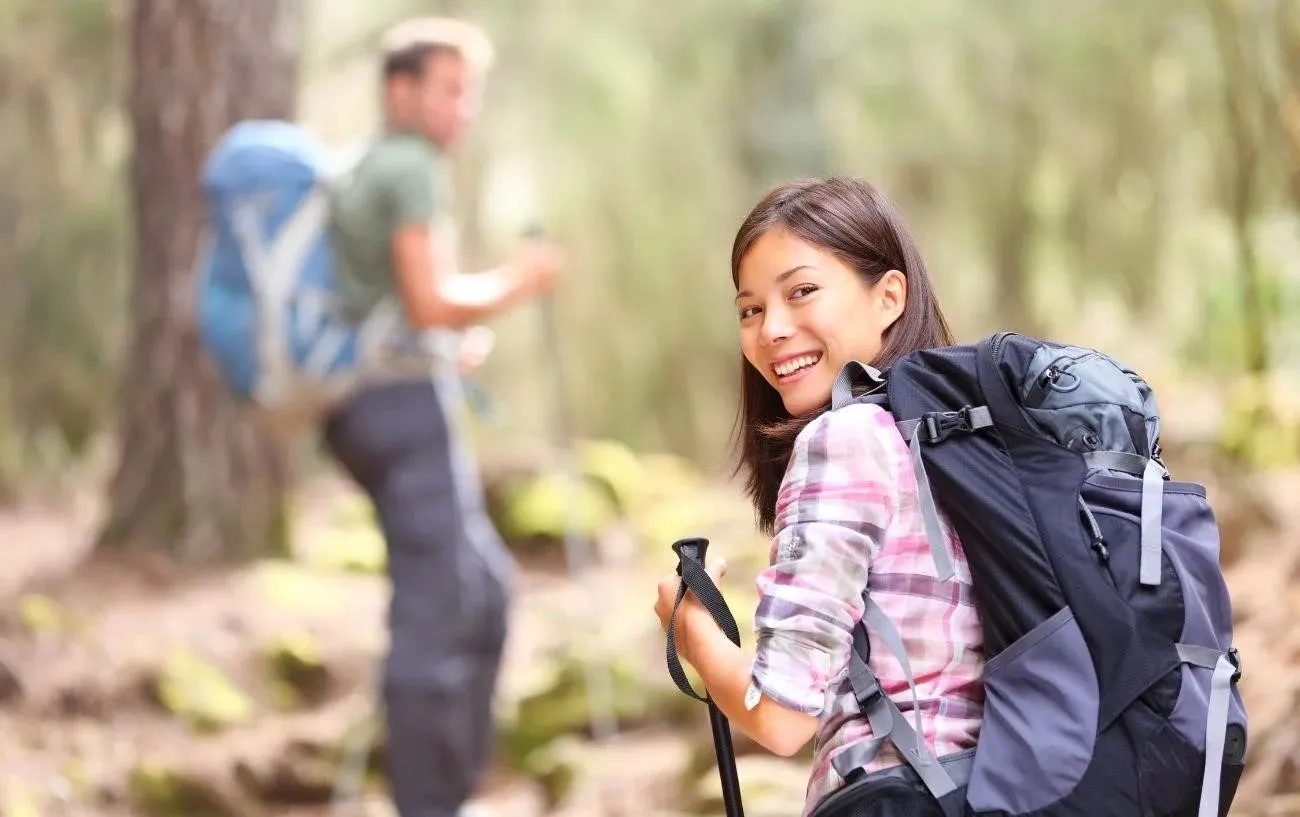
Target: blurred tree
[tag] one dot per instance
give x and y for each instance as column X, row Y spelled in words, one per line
column 1243, row 164
column 62, row 280
column 780, row 71
column 1287, row 97
column 1063, row 164
column 195, row 475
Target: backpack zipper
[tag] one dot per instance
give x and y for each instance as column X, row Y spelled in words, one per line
column 996, row 349
column 1097, row 541
column 1055, row 371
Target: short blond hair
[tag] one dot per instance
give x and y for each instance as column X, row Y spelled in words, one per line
column 406, row 45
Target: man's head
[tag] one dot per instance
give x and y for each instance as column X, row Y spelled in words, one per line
column 433, row 72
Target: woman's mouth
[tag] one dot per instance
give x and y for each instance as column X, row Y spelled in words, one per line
column 793, row 368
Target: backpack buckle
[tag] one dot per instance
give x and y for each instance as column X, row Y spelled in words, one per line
column 866, row 689
column 939, row 425
column 1235, row 658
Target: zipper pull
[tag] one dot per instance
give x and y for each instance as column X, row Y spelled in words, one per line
column 1097, row 542
column 1103, row 552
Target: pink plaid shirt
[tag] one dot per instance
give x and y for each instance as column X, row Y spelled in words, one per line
column 847, row 518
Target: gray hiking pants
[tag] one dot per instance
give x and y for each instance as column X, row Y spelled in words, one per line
column 450, row 575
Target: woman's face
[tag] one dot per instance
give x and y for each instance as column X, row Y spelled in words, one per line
column 804, row 314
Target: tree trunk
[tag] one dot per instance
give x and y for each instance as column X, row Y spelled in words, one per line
column 1240, row 110
column 1288, row 97
column 196, row 477
column 783, row 134
column 1012, row 220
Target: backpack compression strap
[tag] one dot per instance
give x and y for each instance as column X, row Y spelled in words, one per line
column 932, row 427
column 1227, row 670
column 1153, row 486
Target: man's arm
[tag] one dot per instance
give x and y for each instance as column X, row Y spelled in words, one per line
column 438, row 297
column 446, row 297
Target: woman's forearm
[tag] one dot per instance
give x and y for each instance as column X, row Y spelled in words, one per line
column 726, row 672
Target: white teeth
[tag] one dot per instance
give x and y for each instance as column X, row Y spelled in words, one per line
column 793, row 365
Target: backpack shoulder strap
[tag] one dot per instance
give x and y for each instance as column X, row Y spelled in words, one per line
column 886, row 719
column 932, row 428
column 856, row 374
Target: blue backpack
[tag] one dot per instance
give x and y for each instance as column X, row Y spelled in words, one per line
column 267, row 292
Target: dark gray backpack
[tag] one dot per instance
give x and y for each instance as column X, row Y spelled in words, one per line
column 1111, row 675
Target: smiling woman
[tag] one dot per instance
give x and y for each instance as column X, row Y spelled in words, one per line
column 824, row 269
column 827, row 273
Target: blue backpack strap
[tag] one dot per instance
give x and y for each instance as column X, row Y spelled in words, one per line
column 932, row 428
column 1227, row 669
column 273, row 265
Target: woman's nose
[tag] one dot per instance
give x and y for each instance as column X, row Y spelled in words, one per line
column 776, row 326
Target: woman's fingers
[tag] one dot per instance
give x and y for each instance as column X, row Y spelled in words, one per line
column 717, row 569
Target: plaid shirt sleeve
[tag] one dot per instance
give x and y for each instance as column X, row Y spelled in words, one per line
column 836, row 501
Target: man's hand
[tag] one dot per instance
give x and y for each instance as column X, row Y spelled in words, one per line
column 447, row 298
column 536, row 264
column 475, row 345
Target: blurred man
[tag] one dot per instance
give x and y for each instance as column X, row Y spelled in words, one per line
column 398, row 440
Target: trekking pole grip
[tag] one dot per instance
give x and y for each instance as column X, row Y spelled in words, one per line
column 690, row 549
column 695, row 547
column 695, row 579
column 690, row 566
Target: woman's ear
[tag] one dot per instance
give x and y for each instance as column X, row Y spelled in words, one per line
column 891, row 297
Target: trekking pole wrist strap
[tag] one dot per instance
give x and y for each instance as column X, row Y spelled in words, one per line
column 696, row 580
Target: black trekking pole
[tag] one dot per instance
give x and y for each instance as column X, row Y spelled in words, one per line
column 690, row 566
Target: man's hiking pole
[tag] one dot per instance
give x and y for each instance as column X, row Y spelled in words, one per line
column 577, row 552
column 690, row 566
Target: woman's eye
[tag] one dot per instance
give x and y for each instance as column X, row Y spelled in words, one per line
column 748, row 311
column 802, row 290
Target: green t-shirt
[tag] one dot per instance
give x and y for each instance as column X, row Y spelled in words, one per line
column 399, row 181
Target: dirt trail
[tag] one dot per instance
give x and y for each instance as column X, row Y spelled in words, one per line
column 77, row 716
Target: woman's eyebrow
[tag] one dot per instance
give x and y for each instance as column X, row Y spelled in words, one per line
column 780, row 278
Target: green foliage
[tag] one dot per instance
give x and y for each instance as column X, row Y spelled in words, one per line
column 356, row 549
column 296, row 667
column 536, row 732
column 1052, row 160
column 550, row 504
column 293, row 587
column 196, row 691
column 1220, row 344
column 62, row 230
column 40, row 614
column 158, row 791
column 618, row 468
column 1260, row 429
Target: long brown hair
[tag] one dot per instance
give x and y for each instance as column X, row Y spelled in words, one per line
column 859, row 225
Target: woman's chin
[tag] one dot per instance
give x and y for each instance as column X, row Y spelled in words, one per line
column 805, row 401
